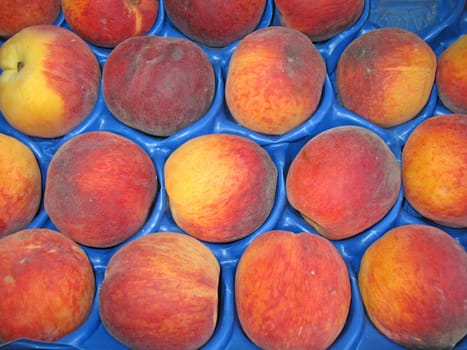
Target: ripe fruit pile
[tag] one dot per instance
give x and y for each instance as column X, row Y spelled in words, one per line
column 264, row 181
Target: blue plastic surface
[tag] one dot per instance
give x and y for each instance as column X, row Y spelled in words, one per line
column 437, row 22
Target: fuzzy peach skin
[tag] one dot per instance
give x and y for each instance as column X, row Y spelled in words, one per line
column 19, row 14
column 215, row 23
column 319, row 20
column 106, row 23
column 20, row 185
column 452, row 76
column 413, row 283
column 100, row 188
column 220, row 187
column 434, row 169
column 292, row 291
column 386, row 76
column 49, row 82
column 47, row 285
column 160, row 291
column 343, row 181
column 158, row 85
column 274, row 81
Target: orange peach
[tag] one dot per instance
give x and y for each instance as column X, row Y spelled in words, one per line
column 292, row 291
column 174, row 75
column 343, row 181
column 274, row 81
column 160, row 291
column 319, row 20
column 386, row 76
column 49, row 80
column 100, row 188
column 413, row 283
column 20, row 185
column 220, row 187
column 47, row 285
column 451, row 76
column 106, row 23
column 434, row 169
column 16, row 15
column 215, row 23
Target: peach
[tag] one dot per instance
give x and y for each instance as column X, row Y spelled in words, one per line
column 343, row 181
column 16, row 15
column 215, row 23
column 20, row 185
column 434, row 169
column 106, row 23
column 220, row 187
column 100, row 188
column 413, row 283
column 451, row 76
column 158, row 85
column 292, row 291
column 49, row 81
column 386, row 76
column 319, row 20
column 160, row 291
column 47, row 285
column 274, row 81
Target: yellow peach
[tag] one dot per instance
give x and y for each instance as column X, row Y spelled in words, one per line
column 49, row 82
column 451, row 76
column 292, row 291
column 434, row 169
column 386, row 76
column 161, row 291
column 19, row 14
column 413, row 283
column 47, row 285
column 343, row 181
column 274, row 80
column 319, row 20
column 20, row 185
column 220, row 187
column 108, row 22
column 100, row 188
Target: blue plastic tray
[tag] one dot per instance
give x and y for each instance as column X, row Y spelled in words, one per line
column 437, row 22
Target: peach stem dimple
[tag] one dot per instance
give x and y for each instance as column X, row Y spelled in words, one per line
column 19, row 66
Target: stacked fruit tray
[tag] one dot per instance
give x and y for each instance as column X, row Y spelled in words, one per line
column 438, row 23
